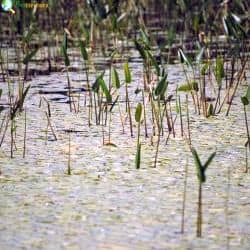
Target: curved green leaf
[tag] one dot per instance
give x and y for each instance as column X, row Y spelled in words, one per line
column 115, row 78
column 184, row 58
column 204, row 68
column 28, row 57
column 84, row 52
column 154, row 63
column 199, row 168
column 96, row 85
column 200, row 55
column 209, row 160
column 141, row 50
column 161, row 86
column 105, row 90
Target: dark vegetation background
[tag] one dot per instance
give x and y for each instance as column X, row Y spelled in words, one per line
column 123, row 17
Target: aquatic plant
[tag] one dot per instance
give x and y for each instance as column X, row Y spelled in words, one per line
column 219, row 75
column 128, row 80
column 159, row 92
column 85, row 57
column 138, row 114
column 64, row 48
column 200, row 170
column 14, row 108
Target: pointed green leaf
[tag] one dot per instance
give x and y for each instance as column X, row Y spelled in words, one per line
column 127, row 73
column 209, row 160
column 64, row 48
column 19, row 103
column 65, row 41
column 141, row 50
column 154, row 63
column 114, row 103
column 204, row 68
column 28, row 57
column 199, row 168
column 105, row 90
column 96, row 85
column 25, row 94
column 184, row 58
column 84, row 52
column 138, row 112
column 161, row 86
column 144, row 37
column 200, row 55
column 115, row 78
column 28, row 35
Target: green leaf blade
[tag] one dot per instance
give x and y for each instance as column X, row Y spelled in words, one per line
column 28, row 57
column 83, row 49
column 161, row 86
column 127, row 73
column 138, row 112
column 199, row 167
column 115, row 78
column 184, row 58
column 209, row 160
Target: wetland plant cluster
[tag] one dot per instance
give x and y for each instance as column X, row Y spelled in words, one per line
column 215, row 62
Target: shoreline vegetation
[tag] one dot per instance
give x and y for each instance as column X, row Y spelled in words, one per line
column 86, row 86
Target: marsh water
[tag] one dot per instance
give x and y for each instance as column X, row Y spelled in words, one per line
column 106, row 203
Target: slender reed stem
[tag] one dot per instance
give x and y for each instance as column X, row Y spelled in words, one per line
column 184, row 198
column 69, row 156
column 25, row 133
